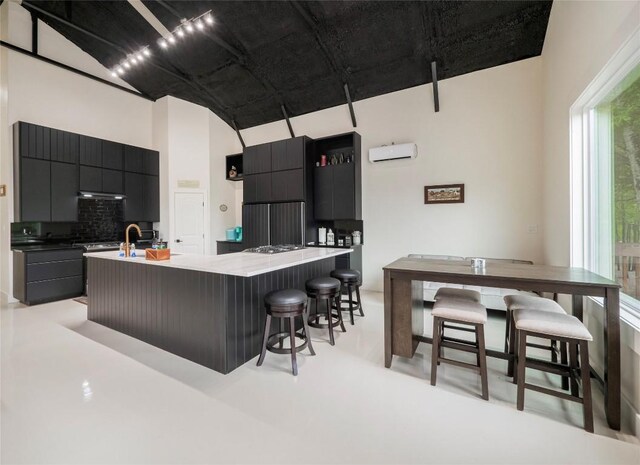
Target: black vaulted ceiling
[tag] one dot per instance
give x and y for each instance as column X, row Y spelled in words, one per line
column 261, row 54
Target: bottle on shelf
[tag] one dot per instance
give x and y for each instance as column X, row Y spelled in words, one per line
column 330, row 238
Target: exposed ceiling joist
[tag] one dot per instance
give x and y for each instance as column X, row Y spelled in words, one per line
column 434, row 81
column 286, row 117
column 150, row 18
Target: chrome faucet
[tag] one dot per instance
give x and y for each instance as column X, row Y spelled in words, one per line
column 127, row 252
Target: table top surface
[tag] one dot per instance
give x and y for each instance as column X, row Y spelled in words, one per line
column 502, row 270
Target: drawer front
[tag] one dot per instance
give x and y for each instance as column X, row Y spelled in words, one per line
column 53, row 270
column 54, row 289
column 54, row 255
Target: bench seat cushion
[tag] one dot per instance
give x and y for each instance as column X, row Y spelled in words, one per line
column 521, row 302
column 551, row 324
column 460, row 310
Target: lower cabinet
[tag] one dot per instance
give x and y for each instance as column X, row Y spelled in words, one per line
column 224, row 247
column 44, row 276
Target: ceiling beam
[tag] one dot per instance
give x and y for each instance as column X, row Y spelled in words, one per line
column 176, row 73
column 353, row 113
column 235, row 126
column 434, row 81
column 286, row 117
column 150, row 17
column 34, row 32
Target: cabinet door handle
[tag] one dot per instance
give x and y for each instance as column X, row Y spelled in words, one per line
column 178, row 240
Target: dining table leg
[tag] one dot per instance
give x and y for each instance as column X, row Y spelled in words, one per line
column 388, row 333
column 612, row 357
column 577, row 306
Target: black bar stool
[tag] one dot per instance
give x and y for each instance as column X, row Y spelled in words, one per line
column 351, row 281
column 289, row 303
column 325, row 289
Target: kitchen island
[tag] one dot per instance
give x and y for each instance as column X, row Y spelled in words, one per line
column 207, row 309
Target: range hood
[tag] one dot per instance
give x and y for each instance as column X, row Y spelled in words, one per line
column 100, row 195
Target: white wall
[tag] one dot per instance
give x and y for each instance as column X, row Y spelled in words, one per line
column 486, row 135
column 582, row 36
column 40, row 93
column 223, row 141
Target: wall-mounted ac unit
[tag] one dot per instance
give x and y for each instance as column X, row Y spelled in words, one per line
column 392, row 152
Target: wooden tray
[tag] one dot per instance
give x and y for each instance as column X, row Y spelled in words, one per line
column 157, row 254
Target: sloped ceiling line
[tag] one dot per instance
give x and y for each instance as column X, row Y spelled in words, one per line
column 177, row 73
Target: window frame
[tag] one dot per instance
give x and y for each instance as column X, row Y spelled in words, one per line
column 586, row 187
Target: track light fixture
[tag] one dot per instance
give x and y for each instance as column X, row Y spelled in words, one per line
column 189, row 25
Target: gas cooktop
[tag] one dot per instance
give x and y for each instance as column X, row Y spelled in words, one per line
column 95, row 246
column 270, row 249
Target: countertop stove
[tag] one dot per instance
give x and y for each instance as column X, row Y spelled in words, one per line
column 99, row 246
column 271, row 249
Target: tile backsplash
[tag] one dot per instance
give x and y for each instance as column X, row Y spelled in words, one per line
column 99, row 220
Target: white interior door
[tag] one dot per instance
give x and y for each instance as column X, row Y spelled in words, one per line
column 189, row 222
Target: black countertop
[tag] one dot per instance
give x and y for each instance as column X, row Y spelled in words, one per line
column 40, row 247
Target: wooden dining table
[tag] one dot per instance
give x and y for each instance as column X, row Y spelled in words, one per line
column 404, row 305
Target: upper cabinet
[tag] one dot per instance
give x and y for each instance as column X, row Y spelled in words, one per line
column 257, row 159
column 337, row 188
column 51, row 167
column 275, row 172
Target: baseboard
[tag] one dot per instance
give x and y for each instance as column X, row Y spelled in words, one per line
column 4, row 297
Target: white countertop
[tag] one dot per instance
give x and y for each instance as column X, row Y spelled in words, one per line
column 243, row 264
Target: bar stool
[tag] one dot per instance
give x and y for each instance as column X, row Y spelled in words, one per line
column 327, row 289
column 528, row 302
column 466, row 313
column 351, row 281
column 288, row 303
column 565, row 328
column 456, row 293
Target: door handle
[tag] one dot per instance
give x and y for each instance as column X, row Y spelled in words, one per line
column 178, row 240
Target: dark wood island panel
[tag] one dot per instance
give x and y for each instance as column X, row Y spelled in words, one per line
column 212, row 319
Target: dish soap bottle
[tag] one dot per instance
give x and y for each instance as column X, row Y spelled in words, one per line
column 330, row 238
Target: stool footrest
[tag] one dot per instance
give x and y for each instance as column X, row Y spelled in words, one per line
column 459, row 363
column 281, row 337
column 553, row 392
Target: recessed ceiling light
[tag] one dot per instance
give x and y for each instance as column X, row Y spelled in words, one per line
column 200, row 24
column 140, row 57
column 189, row 27
column 163, row 43
column 114, row 74
column 171, row 39
column 133, row 60
column 146, row 52
column 209, row 19
column 120, row 70
column 126, row 64
column 180, row 32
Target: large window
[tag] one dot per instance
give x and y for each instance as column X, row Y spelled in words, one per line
column 606, row 175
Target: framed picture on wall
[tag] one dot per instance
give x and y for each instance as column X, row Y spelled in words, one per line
column 444, row 193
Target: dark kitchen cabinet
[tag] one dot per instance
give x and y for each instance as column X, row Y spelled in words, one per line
column 34, row 141
column 34, row 194
column 255, row 225
column 287, row 186
column 143, row 197
column 90, row 179
column 90, row 151
column 257, row 188
column 44, row 276
column 286, row 223
column 134, row 190
column 224, row 247
column 323, row 193
column 112, row 155
column 288, row 154
column 151, row 197
column 64, row 192
column 257, row 159
column 335, row 192
column 133, row 159
column 112, row 181
column 151, row 162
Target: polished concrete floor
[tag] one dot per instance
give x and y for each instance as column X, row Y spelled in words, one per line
column 76, row 392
